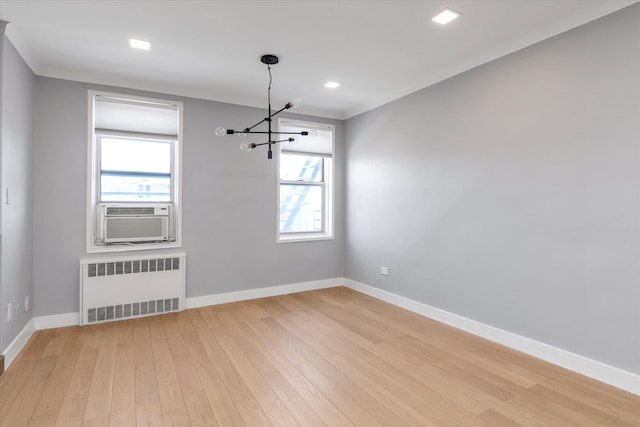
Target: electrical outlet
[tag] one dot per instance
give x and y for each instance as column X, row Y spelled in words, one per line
column 9, row 312
column 384, row 271
column 26, row 303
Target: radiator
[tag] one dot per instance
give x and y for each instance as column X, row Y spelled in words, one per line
column 121, row 288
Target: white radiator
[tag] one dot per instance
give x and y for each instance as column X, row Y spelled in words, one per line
column 121, row 288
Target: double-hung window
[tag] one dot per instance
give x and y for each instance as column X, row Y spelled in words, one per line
column 305, row 187
column 134, row 169
column 134, row 173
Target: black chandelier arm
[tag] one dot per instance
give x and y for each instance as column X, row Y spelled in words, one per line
column 266, row 119
column 286, row 107
column 248, row 130
column 271, row 142
column 283, row 140
column 232, row 131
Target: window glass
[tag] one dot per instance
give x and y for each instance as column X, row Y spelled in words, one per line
column 135, row 170
column 300, row 208
column 120, row 154
column 305, row 205
column 295, row 167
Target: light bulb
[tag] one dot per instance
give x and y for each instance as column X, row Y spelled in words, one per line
column 247, row 146
column 295, row 102
column 312, row 133
column 220, row 131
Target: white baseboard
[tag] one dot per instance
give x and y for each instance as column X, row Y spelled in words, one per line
column 36, row 324
column 574, row 362
column 57, row 321
column 272, row 291
column 72, row 319
column 18, row 343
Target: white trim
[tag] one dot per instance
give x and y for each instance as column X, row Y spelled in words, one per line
column 304, row 238
column 608, row 374
column 90, row 231
column 57, row 321
column 73, row 319
column 272, row 291
column 136, row 247
column 118, row 257
column 329, row 190
column 36, row 324
column 18, row 343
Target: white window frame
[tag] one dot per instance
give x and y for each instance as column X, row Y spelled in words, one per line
column 328, row 185
column 93, row 179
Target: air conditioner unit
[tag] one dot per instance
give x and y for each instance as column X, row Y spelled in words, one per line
column 135, row 223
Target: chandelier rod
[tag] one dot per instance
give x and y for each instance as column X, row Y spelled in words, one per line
column 268, row 60
column 271, row 115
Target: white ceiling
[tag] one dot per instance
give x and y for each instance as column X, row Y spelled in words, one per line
column 379, row 50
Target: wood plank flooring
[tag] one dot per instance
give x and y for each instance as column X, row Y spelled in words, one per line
column 332, row 357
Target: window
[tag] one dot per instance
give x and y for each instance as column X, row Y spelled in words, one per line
column 134, row 170
column 134, row 173
column 305, row 191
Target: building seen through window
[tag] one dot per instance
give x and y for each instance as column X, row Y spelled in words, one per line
column 134, row 170
column 301, row 196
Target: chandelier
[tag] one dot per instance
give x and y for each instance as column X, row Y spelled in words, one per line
column 268, row 60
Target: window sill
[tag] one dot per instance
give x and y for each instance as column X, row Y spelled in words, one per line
column 129, row 248
column 292, row 238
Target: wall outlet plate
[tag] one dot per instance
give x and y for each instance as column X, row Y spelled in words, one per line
column 384, row 271
column 9, row 312
column 26, row 303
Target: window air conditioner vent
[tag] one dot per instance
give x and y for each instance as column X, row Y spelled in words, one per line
column 130, row 211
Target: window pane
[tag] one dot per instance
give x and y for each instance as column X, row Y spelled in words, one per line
column 300, row 208
column 300, row 168
column 135, row 155
column 135, row 188
column 134, row 170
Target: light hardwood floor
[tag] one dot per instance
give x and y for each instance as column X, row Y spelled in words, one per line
column 331, row 357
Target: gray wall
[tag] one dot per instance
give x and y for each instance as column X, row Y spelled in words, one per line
column 16, row 279
column 510, row 194
column 229, row 202
column 3, row 25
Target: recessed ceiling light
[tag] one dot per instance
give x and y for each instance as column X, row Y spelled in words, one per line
column 331, row 85
column 446, row 16
column 139, row 44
